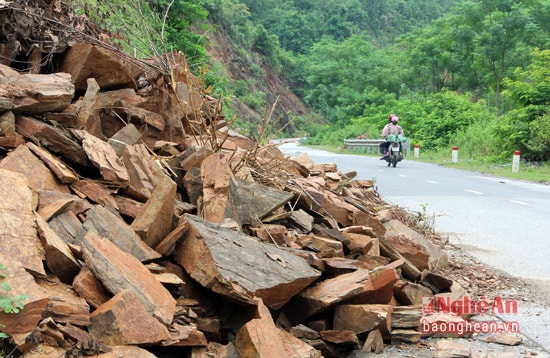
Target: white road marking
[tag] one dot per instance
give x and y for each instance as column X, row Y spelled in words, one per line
column 520, row 202
column 431, row 181
column 402, row 175
column 474, row 192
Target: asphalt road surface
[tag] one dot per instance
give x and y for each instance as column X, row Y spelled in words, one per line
column 502, row 222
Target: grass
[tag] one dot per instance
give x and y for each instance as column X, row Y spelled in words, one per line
column 533, row 172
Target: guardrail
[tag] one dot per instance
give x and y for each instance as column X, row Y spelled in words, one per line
column 372, row 145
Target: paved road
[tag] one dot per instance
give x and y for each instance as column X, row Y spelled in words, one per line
column 504, row 223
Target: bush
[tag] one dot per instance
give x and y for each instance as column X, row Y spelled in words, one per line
column 478, row 141
column 526, row 129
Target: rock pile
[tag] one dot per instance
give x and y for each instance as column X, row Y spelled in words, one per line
column 138, row 224
column 133, row 219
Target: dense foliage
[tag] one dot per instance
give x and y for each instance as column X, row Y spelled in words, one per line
column 527, row 125
column 470, row 73
column 301, row 24
column 456, row 72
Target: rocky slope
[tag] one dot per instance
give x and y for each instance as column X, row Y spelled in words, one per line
column 278, row 97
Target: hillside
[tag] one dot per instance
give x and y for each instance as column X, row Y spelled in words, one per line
column 238, row 68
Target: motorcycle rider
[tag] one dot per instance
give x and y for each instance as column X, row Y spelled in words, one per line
column 391, row 128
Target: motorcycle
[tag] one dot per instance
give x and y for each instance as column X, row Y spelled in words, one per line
column 395, row 152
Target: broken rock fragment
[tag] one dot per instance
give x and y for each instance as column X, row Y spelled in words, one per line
column 240, row 267
column 418, row 242
column 123, row 320
column 59, row 258
column 111, row 71
column 143, row 171
column 260, row 337
column 104, row 157
column 18, row 235
column 34, row 93
column 90, row 288
column 108, row 225
column 18, row 326
column 362, row 318
column 154, row 221
column 119, row 271
column 360, row 285
column 65, row 305
column 215, row 175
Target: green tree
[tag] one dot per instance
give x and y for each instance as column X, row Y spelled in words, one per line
column 178, row 18
column 527, row 127
column 264, row 43
column 234, row 17
column 340, row 74
column 498, row 45
column 297, row 30
column 445, row 115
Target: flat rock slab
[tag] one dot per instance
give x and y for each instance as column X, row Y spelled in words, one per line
column 254, row 201
column 110, row 226
column 53, row 138
column 361, row 286
column 240, row 267
column 119, row 271
column 39, row 177
column 18, row 236
column 64, row 173
column 123, row 320
column 35, row 93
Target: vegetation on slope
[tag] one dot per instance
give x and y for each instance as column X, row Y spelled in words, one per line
column 469, row 73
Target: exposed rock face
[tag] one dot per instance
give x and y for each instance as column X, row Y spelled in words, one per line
column 238, row 68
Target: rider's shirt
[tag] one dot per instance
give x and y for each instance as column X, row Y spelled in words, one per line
column 391, row 128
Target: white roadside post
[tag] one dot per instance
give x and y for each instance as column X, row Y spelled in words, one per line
column 416, row 151
column 454, row 154
column 515, row 162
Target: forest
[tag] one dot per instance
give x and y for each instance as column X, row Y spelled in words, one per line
column 470, row 73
